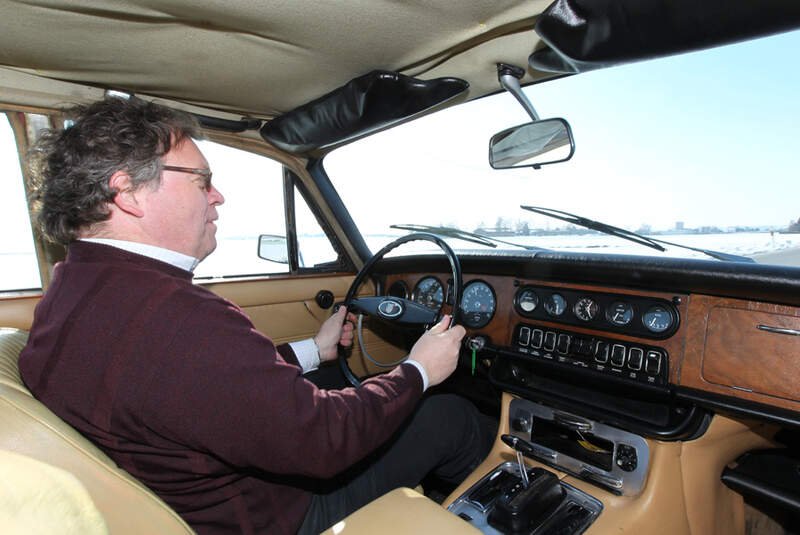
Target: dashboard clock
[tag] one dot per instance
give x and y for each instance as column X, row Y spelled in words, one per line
column 585, row 309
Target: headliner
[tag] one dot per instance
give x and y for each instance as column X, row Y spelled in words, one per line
column 254, row 58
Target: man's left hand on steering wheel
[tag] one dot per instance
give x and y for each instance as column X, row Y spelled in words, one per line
column 337, row 330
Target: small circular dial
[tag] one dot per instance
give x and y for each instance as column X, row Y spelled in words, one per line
column 429, row 292
column 657, row 319
column 527, row 301
column 619, row 313
column 398, row 289
column 555, row 304
column 477, row 305
column 585, row 309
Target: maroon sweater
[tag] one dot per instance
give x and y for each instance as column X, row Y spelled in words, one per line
column 176, row 385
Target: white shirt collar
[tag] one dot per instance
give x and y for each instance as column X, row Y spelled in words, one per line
column 179, row 260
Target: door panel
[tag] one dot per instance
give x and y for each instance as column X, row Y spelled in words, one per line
column 285, row 310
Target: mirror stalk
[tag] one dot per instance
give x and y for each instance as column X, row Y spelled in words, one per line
column 509, row 77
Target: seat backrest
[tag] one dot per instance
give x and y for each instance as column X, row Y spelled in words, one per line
column 29, row 428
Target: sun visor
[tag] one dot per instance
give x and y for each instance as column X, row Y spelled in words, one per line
column 363, row 105
column 584, row 35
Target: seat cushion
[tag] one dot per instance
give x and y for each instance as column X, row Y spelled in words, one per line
column 36, row 497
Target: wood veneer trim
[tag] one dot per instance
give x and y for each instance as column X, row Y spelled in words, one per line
column 733, row 356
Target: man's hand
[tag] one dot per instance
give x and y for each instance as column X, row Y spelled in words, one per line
column 437, row 350
column 338, row 329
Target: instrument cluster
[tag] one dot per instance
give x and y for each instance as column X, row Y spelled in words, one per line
column 634, row 315
column 478, row 299
column 630, row 314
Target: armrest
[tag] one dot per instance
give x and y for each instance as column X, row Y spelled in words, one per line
column 400, row 512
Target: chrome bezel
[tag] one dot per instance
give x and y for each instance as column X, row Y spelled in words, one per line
column 580, row 300
column 483, row 323
column 518, row 296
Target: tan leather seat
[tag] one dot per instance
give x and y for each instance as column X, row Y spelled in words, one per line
column 29, row 428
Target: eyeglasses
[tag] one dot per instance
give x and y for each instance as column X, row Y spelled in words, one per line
column 205, row 173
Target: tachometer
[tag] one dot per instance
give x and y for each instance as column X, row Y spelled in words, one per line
column 477, row 304
column 428, row 292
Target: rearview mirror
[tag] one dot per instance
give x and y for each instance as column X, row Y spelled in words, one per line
column 532, row 145
column 273, row 248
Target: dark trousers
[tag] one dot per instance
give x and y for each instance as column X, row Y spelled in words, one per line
column 444, row 437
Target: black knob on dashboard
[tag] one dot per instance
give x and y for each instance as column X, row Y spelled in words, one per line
column 324, row 299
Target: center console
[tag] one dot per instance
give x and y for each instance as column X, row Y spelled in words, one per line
column 498, row 504
column 506, row 502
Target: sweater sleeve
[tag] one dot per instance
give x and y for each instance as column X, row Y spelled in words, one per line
column 225, row 389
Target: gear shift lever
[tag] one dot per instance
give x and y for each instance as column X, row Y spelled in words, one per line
column 521, row 509
column 517, row 444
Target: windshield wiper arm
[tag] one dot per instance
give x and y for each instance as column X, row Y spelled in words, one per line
column 450, row 232
column 628, row 235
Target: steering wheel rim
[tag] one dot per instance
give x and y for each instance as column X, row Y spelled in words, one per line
column 406, row 306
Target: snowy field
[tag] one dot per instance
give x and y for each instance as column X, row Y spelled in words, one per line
column 238, row 255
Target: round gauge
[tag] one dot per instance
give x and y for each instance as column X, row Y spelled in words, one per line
column 657, row 319
column 429, row 292
column 619, row 313
column 477, row 304
column 527, row 301
column 555, row 304
column 585, row 309
column 398, row 289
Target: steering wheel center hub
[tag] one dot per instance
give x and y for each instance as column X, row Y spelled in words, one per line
column 390, row 309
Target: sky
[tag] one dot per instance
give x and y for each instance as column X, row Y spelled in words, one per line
column 708, row 139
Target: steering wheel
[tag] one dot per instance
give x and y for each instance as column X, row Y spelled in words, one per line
column 396, row 309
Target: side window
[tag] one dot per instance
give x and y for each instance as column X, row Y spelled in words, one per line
column 253, row 187
column 18, row 265
column 314, row 247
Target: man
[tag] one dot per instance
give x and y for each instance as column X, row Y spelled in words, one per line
column 175, row 383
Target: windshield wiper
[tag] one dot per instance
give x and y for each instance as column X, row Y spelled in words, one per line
column 628, row 235
column 450, row 232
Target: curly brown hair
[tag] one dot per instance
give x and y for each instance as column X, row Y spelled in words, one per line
column 70, row 168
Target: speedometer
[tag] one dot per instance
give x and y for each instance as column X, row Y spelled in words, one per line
column 429, row 292
column 477, row 305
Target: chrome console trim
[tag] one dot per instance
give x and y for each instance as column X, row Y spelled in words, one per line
column 617, row 480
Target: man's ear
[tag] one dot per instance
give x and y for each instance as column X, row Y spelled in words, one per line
column 125, row 198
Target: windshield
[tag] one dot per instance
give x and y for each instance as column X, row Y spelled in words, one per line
column 697, row 149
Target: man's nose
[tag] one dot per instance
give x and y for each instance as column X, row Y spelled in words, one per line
column 215, row 197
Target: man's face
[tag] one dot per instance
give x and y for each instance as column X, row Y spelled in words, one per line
column 182, row 210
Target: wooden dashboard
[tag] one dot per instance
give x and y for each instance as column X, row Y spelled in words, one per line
column 740, row 349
